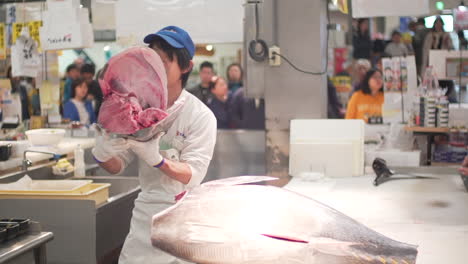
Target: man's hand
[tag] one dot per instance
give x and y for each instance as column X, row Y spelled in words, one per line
column 148, row 151
column 106, row 148
column 464, row 167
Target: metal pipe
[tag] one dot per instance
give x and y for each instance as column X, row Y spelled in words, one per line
column 26, row 163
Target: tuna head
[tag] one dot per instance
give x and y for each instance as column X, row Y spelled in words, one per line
column 227, row 222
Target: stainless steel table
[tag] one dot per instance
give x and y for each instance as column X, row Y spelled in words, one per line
column 17, row 250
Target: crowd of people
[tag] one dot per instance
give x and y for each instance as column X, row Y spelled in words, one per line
column 225, row 98
column 81, row 96
column 366, row 97
column 421, row 41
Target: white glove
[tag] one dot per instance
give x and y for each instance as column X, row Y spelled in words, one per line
column 149, row 150
column 106, row 147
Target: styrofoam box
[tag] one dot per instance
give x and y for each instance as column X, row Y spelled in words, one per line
column 332, row 147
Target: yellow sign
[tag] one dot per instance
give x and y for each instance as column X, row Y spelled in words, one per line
column 342, row 83
column 342, row 5
column 33, row 31
column 2, row 42
column 16, row 31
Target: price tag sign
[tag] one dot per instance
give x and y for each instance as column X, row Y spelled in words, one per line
column 2, row 42
column 33, row 27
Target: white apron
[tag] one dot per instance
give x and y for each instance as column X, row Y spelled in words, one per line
column 187, row 139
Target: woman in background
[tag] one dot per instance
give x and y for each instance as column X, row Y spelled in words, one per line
column 436, row 39
column 366, row 104
column 361, row 67
column 78, row 108
column 362, row 42
column 219, row 101
column 234, row 75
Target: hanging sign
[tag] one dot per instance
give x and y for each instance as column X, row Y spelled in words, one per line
column 33, row 31
column 342, row 5
column 2, row 42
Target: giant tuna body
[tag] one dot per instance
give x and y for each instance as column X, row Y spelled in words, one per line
column 228, row 222
column 134, row 85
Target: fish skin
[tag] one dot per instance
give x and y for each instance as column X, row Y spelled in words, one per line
column 229, row 223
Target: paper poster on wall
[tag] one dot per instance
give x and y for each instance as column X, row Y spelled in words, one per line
column 403, row 74
column 387, row 66
column 341, row 56
column 400, row 85
column 396, row 86
column 3, row 43
column 399, row 73
column 380, row 8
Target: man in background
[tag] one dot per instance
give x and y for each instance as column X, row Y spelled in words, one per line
column 201, row 90
column 420, row 31
column 72, row 74
column 94, row 90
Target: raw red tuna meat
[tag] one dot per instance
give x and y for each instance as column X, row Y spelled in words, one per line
column 135, row 91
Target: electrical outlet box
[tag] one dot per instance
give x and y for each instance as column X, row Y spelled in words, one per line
column 274, row 60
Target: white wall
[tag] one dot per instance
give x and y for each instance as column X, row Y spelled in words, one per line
column 391, row 24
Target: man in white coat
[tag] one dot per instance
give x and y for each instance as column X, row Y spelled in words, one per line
column 171, row 162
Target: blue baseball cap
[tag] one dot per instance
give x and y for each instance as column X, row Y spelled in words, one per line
column 175, row 36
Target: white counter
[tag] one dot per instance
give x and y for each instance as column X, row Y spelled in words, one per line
column 430, row 213
column 66, row 146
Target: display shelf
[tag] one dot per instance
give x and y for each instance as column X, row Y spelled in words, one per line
column 427, row 129
column 445, row 164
